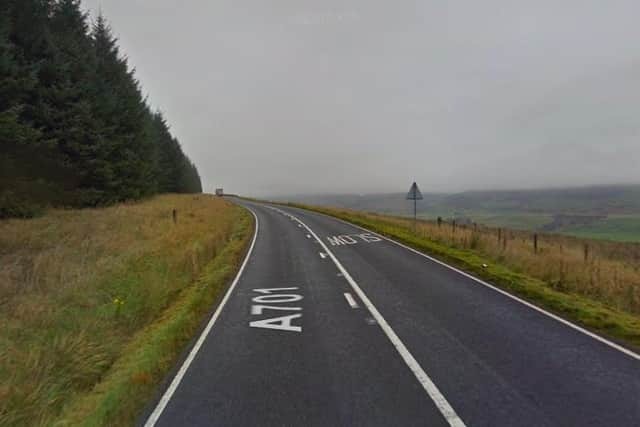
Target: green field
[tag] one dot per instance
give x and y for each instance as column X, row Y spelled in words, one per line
column 623, row 228
column 517, row 209
column 524, row 221
column 519, row 221
column 620, row 228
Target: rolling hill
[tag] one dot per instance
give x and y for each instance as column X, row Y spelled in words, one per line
column 604, row 212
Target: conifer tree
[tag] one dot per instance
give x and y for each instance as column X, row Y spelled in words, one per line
column 75, row 129
column 119, row 103
column 23, row 151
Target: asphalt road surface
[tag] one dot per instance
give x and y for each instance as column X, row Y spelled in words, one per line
column 331, row 325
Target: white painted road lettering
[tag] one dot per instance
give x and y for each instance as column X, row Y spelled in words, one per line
column 273, row 299
column 281, row 323
column 258, row 309
column 276, row 296
column 352, row 239
column 369, row 238
column 348, row 239
column 335, row 241
column 432, row 390
column 271, row 290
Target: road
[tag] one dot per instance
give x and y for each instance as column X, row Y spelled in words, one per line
column 330, row 325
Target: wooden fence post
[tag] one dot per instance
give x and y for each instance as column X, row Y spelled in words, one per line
column 175, row 216
column 535, row 243
column 586, row 252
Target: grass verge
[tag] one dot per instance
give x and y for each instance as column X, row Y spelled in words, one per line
column 98, row 304
column 118, row 399
column 616, row 324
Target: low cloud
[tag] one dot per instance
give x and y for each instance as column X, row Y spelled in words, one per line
column 302, row 97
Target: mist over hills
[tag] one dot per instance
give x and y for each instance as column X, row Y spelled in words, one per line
column 609, row 212
column 593, row 200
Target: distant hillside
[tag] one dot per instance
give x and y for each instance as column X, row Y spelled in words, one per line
column 391, row 203
column 605, row 212
column 600, row 200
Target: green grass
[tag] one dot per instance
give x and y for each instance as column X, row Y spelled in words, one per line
column 524, row 221
column 588, row 312
column 616, row 228
column 514, row 220
column 97, row 304
column 127, row 388
column 518, row 221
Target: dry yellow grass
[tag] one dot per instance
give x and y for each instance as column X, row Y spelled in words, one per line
column 597, row 289
column 608, row 272
column 605, row 271
column 76, row 285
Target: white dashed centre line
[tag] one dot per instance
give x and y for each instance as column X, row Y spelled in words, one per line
column 430, row 388
column 350, row 300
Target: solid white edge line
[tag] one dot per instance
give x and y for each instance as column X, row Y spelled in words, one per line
column 432, row 390
column 166, row 397
column 350, row 300
column 503, row 292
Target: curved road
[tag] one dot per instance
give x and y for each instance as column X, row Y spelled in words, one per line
column 331, row 325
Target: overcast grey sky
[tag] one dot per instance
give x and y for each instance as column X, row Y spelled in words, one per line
column 302, row 96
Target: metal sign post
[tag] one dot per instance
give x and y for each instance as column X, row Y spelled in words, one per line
column 415, row 195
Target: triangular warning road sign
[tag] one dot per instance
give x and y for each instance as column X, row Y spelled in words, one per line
column 414, row 193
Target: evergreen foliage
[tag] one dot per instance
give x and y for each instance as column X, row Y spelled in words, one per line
column 75, row 128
